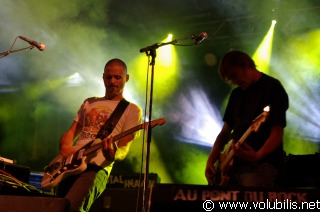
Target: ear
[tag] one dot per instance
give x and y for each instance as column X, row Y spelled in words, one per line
column 127, row 77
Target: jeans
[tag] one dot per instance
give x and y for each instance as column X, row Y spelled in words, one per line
column 83, row 189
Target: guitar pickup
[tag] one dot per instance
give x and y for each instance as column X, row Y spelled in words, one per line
column 80, row 154
column 69, row 159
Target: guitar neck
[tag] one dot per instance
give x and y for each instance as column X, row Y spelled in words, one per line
column 240, row 141
column 253, row 127
column 95, row 147
column 244, row 137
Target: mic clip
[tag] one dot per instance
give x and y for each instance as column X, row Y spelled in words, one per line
column 149, row 48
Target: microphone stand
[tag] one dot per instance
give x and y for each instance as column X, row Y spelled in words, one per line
column 151, row 51
column 6, row 53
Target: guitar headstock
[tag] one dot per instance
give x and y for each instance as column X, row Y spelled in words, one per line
column 266, row 108
column 256, row 123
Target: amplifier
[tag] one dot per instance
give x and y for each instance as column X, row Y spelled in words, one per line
column 124, row 192
column 10, row 203
column 19, row 172
column 128, row 181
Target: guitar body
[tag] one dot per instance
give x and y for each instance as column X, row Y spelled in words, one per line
column 61, row 167
column 225, row 161
column 223, row 166
column 58, row 169
column 76, row 163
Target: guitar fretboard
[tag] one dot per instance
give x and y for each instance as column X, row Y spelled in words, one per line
column 95, row 147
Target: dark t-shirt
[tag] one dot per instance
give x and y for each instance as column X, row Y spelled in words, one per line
column 245, row 105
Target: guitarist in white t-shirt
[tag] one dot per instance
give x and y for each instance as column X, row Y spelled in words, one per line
column 84, row 188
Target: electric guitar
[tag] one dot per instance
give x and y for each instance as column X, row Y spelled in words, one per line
column 61, row 167
column 225, row 161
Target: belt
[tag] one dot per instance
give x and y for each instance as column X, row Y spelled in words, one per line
column 95, row 168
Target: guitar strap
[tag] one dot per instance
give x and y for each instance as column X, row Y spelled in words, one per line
column 112, row 121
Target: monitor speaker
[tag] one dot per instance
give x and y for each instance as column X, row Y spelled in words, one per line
column 32, row 204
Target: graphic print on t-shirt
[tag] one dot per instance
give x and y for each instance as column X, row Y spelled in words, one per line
column 94, row 120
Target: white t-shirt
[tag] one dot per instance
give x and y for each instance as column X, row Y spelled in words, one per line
column 92, row 115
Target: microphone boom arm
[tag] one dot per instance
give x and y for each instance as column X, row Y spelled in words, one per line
column 6, row 53
column 174, row 42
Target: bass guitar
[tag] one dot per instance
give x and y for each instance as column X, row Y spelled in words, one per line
column 61, row 167
column 225, row 161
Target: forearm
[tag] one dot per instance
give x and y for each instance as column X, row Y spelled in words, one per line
column 210, row 171
column 122, row 152
column 116, row 150
column 214, row 155
column 66, row 141
column 218, row 146
column 219, row 143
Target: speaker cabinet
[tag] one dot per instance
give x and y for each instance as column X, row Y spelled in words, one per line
column 118, row 199
column 300, row 171
column 33, row 204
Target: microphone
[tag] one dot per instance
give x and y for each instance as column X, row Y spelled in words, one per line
column 39, row 46
column 202, row 36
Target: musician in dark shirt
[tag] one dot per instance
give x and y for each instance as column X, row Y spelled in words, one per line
column 259, row 159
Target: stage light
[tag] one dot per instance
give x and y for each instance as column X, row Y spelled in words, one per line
column 74, row 80
column 262, row 55
column 298, row 69
column 169, row 38
column 166, row 71
column 197, row 128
